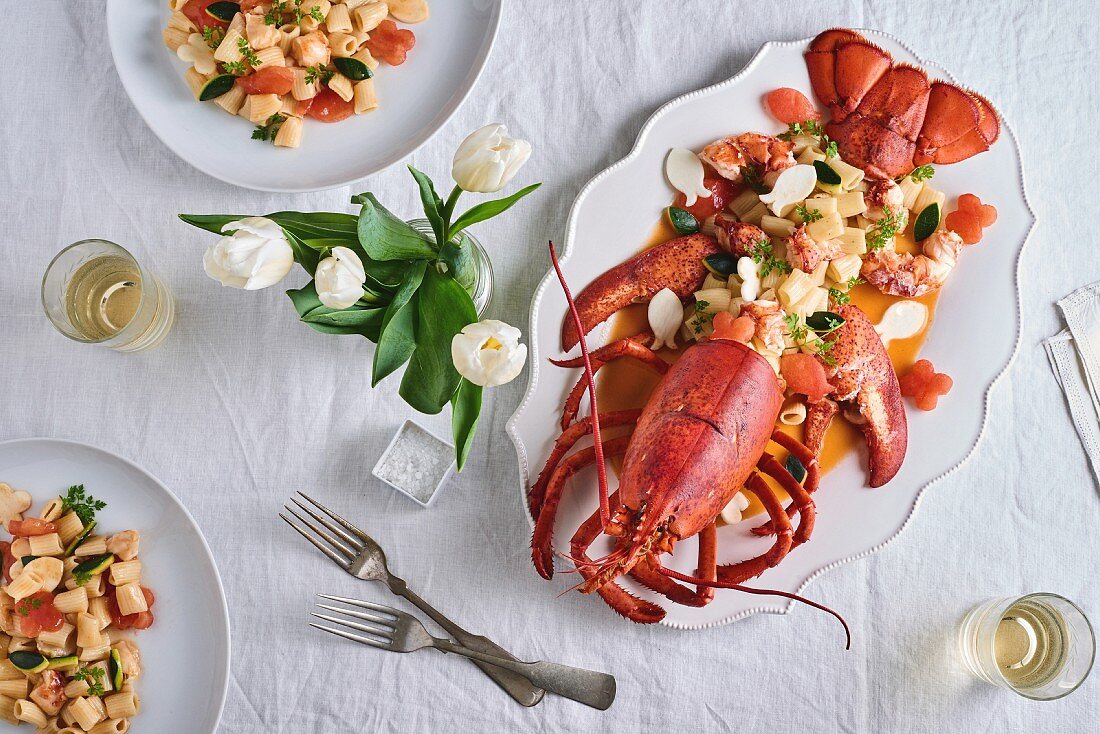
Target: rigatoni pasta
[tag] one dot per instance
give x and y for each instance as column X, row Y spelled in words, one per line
column 67, row 667
column 275, row 61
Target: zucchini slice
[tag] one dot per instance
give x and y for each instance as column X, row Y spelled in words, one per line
column 69, row 662
column 721, row 263
column 114, row 669
column 683, row 220
column 927, row 221
column 93, row 566
column 352, row 68
column 216, row 87
column 79, row 540
column 28, row 662
column 223, row 11
column 826, row 174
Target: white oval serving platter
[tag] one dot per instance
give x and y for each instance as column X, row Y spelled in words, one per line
column 415, row 100
column 185, row 654
column 980, row 300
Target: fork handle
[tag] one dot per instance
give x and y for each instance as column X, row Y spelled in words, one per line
column 515, row 684
column 589, row 687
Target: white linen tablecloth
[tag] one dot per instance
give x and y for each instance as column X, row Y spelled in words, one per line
column 243, row 405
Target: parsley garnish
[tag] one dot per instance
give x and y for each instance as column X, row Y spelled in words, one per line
column 236, row 68
column 806, row 127
column 702, row 318
column 27, row 605
column 842, row 297
column 270, row 129
column 275, row 15
column 213, row 36
column 808, row 215
column 318, row 72
column 84, row 505
column 823, row 349
column 754, row 180
column 314, row 12
column 922, row 173
column 830, row 147
column 246, row 51
column 884, row 230
column 795, row 328
column 763, row 255
column 91, row 676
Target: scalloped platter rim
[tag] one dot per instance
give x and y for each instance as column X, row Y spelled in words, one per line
column 940, row 442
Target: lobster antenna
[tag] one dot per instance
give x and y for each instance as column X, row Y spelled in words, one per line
column 601, row 468
column 768, row 592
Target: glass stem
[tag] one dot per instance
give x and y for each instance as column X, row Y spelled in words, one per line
column 448, row 210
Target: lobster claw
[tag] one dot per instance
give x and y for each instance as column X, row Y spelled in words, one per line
column 864, row 377
column 676, row 264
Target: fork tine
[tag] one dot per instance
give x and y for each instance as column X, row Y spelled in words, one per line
column 352, row 637
column 360, row 615
column 348, row 538
column 338, row 560
column 350, row 528
column 396, row 613
column 383, row 632
column 332, row 540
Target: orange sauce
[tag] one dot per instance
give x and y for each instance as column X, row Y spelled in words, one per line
column 626, row 384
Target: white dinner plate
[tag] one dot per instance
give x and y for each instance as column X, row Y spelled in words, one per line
column 185, row 654
column 415, row 100
column 973, row 339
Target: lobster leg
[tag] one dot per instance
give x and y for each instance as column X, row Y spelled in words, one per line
column 565, row 441
column 618, row 598
column 800, row 498
column 813, row 476
column 737, row 572
column 628, row 347
column 646, row 573
column 818, row 418
column 542, row 550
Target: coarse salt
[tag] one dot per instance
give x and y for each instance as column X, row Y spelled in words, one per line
column 416, row 462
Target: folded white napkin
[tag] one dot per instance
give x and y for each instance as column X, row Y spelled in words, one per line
column 1075, row 357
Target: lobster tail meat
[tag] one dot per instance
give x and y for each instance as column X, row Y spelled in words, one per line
column 886, row 118
column 960, row 124
column 864, row 376
column 676, row 264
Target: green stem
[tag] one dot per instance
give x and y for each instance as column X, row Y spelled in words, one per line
column 448, row 210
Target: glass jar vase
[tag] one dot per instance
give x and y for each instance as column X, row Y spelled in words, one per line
column 476, row 279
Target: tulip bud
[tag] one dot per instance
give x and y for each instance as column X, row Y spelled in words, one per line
column 488, row 159
column 255, row 256
column 339, row 279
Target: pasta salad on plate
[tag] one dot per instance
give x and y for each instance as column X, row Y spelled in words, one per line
column 70, row 595
column 276, row 62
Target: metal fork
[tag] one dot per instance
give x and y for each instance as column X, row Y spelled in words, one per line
column 397, row 631
column 356, row 552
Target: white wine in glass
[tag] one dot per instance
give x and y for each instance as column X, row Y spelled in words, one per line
column 96, row 292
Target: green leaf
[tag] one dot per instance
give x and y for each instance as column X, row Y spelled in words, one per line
column 306, row 256
column 927, row 221
column 444, row 308
column 826, row 174
column 363, row 320
column 682, row 220
column 397, row 340
column 489, row 209
column 794, row 466
column 433, row 205
column 459, row 261
column 385, row 237
column 465, row 410
column 313, row 225
column 211, row 222
column 824, row 322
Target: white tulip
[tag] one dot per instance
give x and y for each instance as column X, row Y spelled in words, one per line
column 339, row 279
column 488, row 159
column 255, row 256
column 488, row 353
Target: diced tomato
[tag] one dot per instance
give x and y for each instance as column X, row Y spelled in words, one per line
column 789, row 105
column 195, row 10
column 328, row 106
column 31, row 526
column 8, row 561
column 268, row 80
column 138, row 620
column 304, row 106
column 37, row 614
column 247, row 5
column 389, row 43
column 804, row 374
column 722, row 191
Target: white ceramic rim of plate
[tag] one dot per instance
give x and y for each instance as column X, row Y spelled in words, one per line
column 567, row 250
column 393, row 159
column 224, row 606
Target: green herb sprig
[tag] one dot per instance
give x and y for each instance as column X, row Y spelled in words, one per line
column 270, row 128
column 92, row 677
column 885, row 229
column 83, row 504
column 923, row 173
column 808, row 215
column 763, row 254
